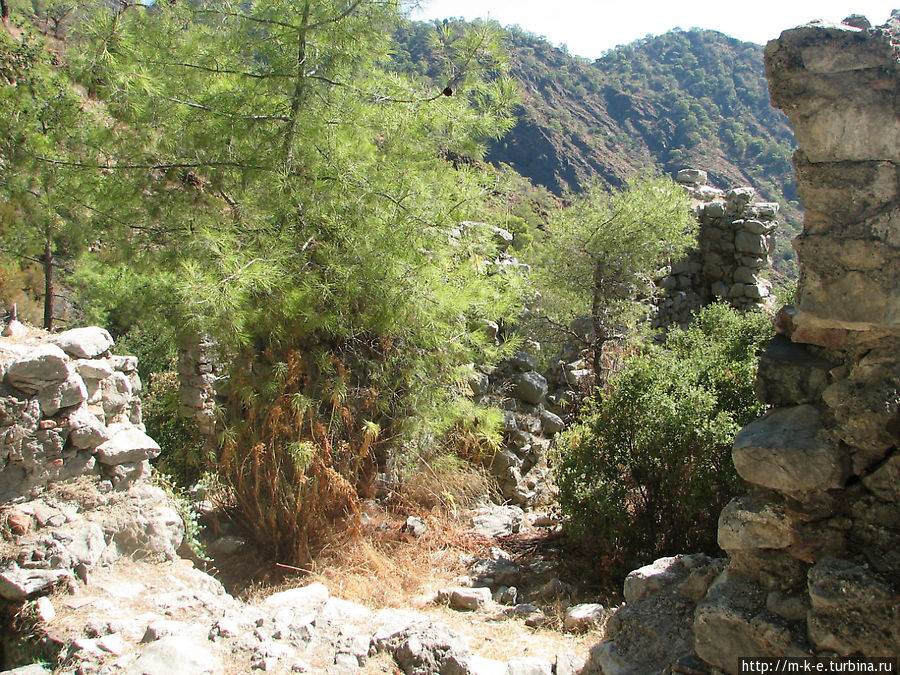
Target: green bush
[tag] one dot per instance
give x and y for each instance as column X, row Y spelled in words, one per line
column 182, row 455
column 648, row 469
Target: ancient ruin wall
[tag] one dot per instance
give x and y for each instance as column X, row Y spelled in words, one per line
column 734, row 239
column 69, row 407
column 814, row 546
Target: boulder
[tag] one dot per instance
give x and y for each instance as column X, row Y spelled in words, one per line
column 17, row 584
column 498, row 521
column 551, row 423
column 751, row 522
column 530, row 387
column 174, row 655
column 583, row 617
column 65, row 394
column 128, row 444
column 732, row 621
column 84, row 343
column 39, row 368
column 854, row 610
column 787, row 450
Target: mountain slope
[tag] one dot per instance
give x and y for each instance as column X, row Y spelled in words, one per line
column 686, row 98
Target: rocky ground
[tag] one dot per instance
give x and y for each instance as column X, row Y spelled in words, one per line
column 102, row 589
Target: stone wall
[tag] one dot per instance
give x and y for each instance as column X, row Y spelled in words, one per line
column 733, row 244
column 814, row 546
column 200, row 380
column 68, row 407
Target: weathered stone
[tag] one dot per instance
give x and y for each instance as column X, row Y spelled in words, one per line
column 551, row 423
column 750, row 522
column 128, row 444
column 174, row 655
column 93, row 369
column 854, row 611
column 692, row 176
column 301, row 601
column 884, row 481
column 790, row 374
column 583, row 617
column 498, row 521
column 529, row 666
column 732, row 622
column 479, row 383
column 85, row 430
column 39, row 368
column 496, row 572
column 54, row 397
column 17, row 584
column 466, row 599
column 654, row 629
column 748, row 242
column 84, row 343
column 530, row 387
column 787, row 451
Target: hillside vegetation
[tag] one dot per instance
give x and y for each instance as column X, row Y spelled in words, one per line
column 686, row 98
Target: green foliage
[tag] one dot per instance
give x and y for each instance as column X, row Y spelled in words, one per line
column 297, row 202
column 598, row 255
column 182, row 455
column 45, row 217
column 648, row 469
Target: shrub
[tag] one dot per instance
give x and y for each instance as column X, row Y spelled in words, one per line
column 648, row 468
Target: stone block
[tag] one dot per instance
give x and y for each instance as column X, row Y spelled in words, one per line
column 530, row 387
column 127, row 444
column 854, row 610
column 788, row 450
column 790, row 374
column 732, row 621
column 750, row 522
column 756, row 244
column 39, row 368
column 84, row 343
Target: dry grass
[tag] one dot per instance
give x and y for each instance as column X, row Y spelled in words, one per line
column 386, row 567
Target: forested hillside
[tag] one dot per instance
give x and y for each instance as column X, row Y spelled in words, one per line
column 686, row 98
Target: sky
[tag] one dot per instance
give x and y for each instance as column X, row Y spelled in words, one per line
column 591, row 27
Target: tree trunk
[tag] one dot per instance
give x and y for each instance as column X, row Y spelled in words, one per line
column 4, row 11
column 48, row 285
column 299, row 88
column 598, row 320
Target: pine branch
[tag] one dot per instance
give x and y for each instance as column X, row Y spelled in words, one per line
column 200, row 106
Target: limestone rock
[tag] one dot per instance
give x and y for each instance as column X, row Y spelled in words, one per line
column 787, row 451
column 732, row 621
column 530, row 387
column 498, row 521
column 750, row 522
column 39, row 368
column 790, row 374
column 854, row 611
column 17, row 584
column 467, row 599
column 583, row 617
column 529, row 666
column 65, row 394
column 128, row 444
column 300, row 601
column 884, row 482
column 551, row 423
column 84, row 343
column 175, row 655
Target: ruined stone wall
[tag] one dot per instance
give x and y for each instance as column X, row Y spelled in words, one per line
column 68, row 407
column 200, row 381
column 734, row 239
column 814, row 546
